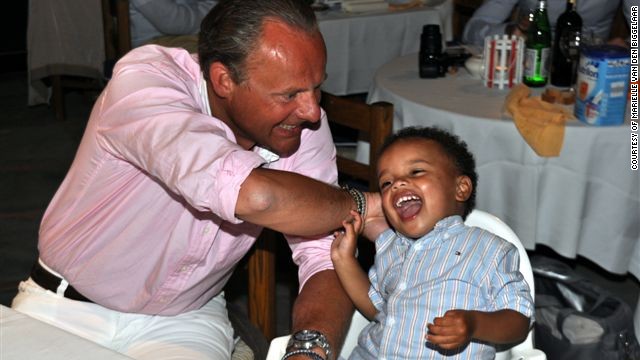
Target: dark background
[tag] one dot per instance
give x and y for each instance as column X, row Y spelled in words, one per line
column 13, row 27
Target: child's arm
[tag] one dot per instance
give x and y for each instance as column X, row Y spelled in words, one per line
column 354, row 280
column 457, row 327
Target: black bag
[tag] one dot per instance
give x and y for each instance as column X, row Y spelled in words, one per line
column 576, row 319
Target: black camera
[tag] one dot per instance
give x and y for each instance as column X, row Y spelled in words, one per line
column 432, row 62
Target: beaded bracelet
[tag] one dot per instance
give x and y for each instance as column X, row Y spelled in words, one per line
column 359, row 198
column 312, row 355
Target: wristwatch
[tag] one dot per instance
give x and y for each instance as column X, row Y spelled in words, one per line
column 308, row 339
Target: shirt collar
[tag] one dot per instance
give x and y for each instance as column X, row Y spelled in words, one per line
column 267, row 155
column 204, row 95
column 444, row 230
column 448, row 224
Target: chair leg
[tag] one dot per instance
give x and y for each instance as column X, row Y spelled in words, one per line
column 57, row 97
column 262, row 284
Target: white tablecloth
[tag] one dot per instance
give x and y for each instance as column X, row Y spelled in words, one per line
column 65, row 37
column 584, row 202
column 358, row 44
column 23, row 337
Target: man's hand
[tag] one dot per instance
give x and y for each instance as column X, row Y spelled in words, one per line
column 520, row 27
column 453, row 330
column 517, row 30
column 374, row 222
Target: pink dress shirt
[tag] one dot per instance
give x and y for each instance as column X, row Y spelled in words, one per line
column 144, row 220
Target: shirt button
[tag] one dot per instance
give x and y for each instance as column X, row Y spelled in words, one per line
column 184, row 268
column 207, row 229
column 391, row 321
column 162, row 299
column 402, row 286
column 447, row 235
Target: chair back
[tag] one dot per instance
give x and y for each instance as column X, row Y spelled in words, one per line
column 117, row 33
column 492, row 223
column 478, row 218
column 373, row 121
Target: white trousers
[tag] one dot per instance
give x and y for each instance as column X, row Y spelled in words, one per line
column 205, row 333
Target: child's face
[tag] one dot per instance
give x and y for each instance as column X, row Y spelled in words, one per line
column 419, row 186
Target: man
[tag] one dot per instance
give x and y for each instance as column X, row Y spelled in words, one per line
column 489, row 18
column 182, row 163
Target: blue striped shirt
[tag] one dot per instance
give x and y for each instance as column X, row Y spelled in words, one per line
column 452, row 267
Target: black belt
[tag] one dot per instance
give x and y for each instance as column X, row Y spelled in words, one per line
column 49, row 281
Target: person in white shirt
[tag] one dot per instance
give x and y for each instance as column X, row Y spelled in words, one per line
column 152, row 18
column 492, row 17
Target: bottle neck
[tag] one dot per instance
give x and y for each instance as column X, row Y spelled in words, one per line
column 542, row 4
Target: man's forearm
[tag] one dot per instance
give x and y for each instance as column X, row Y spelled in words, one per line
column 323, row 305
column 292, row 203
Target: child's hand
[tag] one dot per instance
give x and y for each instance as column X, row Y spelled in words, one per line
column 453, row 330
column 345, row 243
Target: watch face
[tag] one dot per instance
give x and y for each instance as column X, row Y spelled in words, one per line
column 306, row 335
column 308, row 339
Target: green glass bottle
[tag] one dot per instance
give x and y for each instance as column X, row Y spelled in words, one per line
column 538, row 48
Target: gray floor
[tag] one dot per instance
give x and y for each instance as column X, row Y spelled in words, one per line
column 35, row 153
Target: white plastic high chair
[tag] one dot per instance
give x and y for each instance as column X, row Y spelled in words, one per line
column 522, row 351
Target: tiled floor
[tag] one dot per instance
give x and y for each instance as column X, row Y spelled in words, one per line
column 35, row 152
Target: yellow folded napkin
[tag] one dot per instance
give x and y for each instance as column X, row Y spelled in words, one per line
column 541, row 124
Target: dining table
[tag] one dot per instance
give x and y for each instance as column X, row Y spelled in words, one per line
column 65, row 37
column 358, row 43
column 583, row 202
column 24, row 337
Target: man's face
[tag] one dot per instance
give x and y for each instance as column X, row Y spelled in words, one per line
column 282, row 89
column 419, row 186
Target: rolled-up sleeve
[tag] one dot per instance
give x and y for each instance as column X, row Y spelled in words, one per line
column 311, row 256
column 510, row 289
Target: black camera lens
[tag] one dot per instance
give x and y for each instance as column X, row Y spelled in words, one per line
column 431, row 61
column 431, row 40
